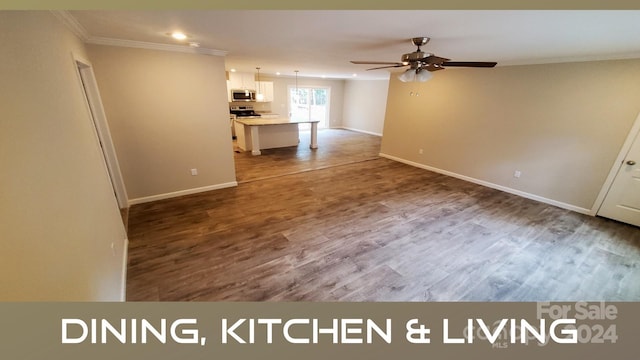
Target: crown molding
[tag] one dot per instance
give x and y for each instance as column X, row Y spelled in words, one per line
column 72, row 24
column 154, row 46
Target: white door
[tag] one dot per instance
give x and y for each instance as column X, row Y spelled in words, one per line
column 622, row 201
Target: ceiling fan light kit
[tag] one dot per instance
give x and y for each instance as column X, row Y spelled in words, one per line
column 417, row 75
column 422, row 63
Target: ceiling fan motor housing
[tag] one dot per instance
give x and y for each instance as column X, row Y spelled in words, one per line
column 420, row 41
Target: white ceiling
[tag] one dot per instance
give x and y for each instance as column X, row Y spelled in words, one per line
column 322, row 42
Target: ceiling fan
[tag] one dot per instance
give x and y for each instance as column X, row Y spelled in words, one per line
column 418, row 61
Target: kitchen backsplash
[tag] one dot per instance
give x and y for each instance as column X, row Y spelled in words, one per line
column 257, row 106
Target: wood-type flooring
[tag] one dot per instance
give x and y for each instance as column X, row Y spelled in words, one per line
column 373, row 230
column 335, row 147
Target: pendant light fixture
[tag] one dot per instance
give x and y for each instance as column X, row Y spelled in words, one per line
column 296, row 94
column 259, row 95
column 294, row 97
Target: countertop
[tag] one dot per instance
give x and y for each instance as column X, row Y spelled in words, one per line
column 257, row 121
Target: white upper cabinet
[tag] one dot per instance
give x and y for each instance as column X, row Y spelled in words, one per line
column 247, row 81
column 242, row 81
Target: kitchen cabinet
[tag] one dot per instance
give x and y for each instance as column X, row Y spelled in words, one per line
column 240, row 81
column 271, row 136
column 257, row 133
column 247, row 81
column 266, row 88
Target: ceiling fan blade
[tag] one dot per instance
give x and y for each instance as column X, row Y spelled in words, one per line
column 433, row 67
column 388, row 66
column 470, row 64
column 376, row 63
column 432, row 59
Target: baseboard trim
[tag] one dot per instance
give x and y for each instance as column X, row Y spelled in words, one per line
column 492, row 185
column 358, row 130
column 147, row 199
column 125, row 262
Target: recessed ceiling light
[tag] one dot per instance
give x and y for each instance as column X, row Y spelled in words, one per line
column 278, row 73
column 354, row 75
column 233, row 70
column 324, row 76
column 178, row 35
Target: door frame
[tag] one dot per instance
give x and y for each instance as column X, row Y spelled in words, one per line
column 87, row 81
column 631, row 136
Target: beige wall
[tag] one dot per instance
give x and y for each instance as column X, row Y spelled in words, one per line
column 280, row 98
column 168, row 113
column 59, row 218
column 366, row 105
column 561, row 125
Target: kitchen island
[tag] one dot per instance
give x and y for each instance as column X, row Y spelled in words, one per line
column 254, row 134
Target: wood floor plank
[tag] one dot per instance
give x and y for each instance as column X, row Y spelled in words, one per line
column 340, row 224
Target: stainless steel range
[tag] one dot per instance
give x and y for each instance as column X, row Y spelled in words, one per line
column 243, row 111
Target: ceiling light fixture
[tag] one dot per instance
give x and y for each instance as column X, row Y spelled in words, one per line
column 178, row 35
column 259, row 95
column 233, row 70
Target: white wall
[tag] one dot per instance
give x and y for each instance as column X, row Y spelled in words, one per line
column 561, row 125
column 366, row 103
column 58, row 215
column 168, row 113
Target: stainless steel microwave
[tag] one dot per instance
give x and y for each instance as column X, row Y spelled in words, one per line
column 243, row 95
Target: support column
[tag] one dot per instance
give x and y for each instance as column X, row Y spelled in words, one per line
column 255, row 140
column 314, row 135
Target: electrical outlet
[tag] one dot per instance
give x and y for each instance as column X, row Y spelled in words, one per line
column 420, row 151
column 194, row 172
column 517, row 174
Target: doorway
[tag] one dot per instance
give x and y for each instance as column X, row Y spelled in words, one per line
column 103, row 136
column 310, row 103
